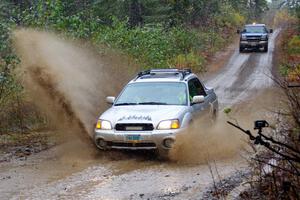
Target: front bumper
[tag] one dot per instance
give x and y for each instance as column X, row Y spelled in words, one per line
column 251, row 44
column 148, row 139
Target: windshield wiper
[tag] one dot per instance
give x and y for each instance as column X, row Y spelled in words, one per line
column 125, row 104
column 152, row 103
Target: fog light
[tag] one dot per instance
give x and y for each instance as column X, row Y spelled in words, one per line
column 169, row 142
column 101, row 143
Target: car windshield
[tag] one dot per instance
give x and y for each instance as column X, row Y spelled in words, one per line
column 150, row 93
column 254, row 29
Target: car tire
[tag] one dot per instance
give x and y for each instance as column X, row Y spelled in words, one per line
column 241, row 49
column 101, row 147
column 266, row 48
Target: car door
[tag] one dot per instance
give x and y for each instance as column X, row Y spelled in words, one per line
column 196, row 88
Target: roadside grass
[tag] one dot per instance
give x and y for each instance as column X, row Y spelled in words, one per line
column 289, row 48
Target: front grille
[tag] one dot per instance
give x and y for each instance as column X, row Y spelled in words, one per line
column 253, row 38
column 127, row 144
column 134, row 127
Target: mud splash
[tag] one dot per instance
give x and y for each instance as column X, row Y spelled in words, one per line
column 67, row 80
column 203, row 142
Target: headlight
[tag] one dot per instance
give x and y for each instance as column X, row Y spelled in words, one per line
column 103, row 124
column 243, row 37
column 169, row 124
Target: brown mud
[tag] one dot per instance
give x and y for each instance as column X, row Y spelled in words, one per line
column 203, row 142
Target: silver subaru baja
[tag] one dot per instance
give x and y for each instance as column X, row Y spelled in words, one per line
column 152, row 108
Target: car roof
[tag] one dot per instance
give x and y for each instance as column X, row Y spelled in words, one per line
column 164, row 75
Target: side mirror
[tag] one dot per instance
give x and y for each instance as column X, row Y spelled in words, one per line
column 198, row 99
column 110, row 100
column 271, row 31
column 238, row 31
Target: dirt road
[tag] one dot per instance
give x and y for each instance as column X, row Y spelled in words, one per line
column 75, row 171
column 244, row 75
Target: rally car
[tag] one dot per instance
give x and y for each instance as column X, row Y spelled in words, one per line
column 152, row 108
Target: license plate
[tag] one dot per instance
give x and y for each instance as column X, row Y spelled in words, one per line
column 133, row 137
column 253, row 43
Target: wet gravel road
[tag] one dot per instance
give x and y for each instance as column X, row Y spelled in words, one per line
column 69, row 172
column 244, row 75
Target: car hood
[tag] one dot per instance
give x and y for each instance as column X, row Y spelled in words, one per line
column 143, row 113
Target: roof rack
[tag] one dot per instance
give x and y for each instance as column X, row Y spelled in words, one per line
column 183, row 72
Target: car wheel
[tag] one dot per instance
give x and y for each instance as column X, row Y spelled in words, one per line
column 241, row 49
column 101, row 144
column 266, row 48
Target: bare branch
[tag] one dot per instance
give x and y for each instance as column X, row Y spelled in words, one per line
column 275, row 166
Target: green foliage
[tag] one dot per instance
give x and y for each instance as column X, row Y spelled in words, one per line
column 11, row 93
column 257, row 8
column 284, row 69
column 294, row 45
column 151, row 46
column 155, row 44
column 190, row 60
column 227, row 110
column 290, row 45
column 5, row 29
column 228, row 17
column 290, row 72
column 52, row 15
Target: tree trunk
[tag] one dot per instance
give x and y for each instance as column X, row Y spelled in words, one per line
column 135, row 14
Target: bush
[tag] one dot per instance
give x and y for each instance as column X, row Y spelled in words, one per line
column 229, row 18
column 10, row 98
column 190, row 60
column 151, row 47
column 294, row 74
column 294, row 45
